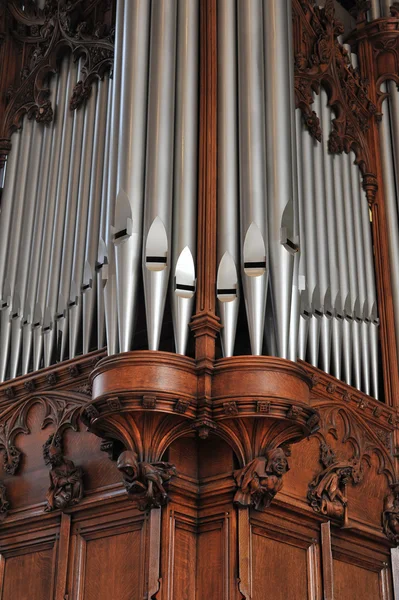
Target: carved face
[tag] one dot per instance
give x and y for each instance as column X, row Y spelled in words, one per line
column 279, row 465
column 346, row 474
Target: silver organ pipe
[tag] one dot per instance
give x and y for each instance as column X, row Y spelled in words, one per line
column 131, row 164
column 252, row 162
column 185, row 172
column 87, row 290
column 280, row 143
column 227, row 285
column 322, row 249
column 106, row 253
column 157, row 243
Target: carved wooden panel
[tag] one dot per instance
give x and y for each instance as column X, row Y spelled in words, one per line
column 348, row 578
column 107, row 560
column 35, row 567
column 213, row 564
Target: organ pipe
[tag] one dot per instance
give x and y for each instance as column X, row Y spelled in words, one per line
column 280, row 140
column 157, row 243
column 228, row 252
column 185, row 172
column 252, row 162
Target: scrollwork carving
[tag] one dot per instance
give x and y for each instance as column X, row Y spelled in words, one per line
column 144, row 481
column 260, row 480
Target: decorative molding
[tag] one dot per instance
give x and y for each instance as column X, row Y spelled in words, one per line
column 66, row 480
column 144, row 481
column 320, row 60
column 260, row 480
column 37, row 37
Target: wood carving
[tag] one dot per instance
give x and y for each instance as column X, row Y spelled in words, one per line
column 37, row 37
column 4, row 504
column 327, row 491
column 144, row 481
column 66, row 480
column 390, row 515
column 62, row 411
column 260, row 480
column 320, row 60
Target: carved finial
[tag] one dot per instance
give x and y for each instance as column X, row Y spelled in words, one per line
column 260, row 480
column 144, row 482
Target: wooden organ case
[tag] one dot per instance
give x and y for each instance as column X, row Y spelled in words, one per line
column 211, row 466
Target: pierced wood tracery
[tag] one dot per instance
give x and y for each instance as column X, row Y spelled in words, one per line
column 320, row 60
column 35, row 38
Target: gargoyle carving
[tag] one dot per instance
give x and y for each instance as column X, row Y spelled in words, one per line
column 390, row 515
column 260, row 480
column 327, row 491
column 4, row 504
column 66, row 480
column 144, row 482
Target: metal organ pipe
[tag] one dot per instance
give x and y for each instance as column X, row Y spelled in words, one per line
column 87, row 289
column 46, row 248
column 19, row 200
column 252, row 153
column 228, row 253
column 322, row 249
column 106, row 253
column 185, row 172
column 331, row 229
column 131, row 163
column 82, row 225
column 280, row 141
column 159, row 166
column 24, row 252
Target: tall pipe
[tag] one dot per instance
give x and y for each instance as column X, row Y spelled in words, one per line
column 87, row 293
column 159, row 166
column 19, row 201
column 82, row 225
column 320, row 208
column 280, row 142
column 228, row 252
column 25, row 250
column 108, row 274
column 307, row 148
column 331, row 229
column 63, row 233
column 101, row 250
column 252, row 153
column 63, row 90
column 185, row 171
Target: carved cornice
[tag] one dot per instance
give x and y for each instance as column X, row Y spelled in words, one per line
column 35, row 38
column 320, row 60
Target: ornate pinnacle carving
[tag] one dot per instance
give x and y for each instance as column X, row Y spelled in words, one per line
column 260, row 480
column 66, row 480
column 144, row 481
